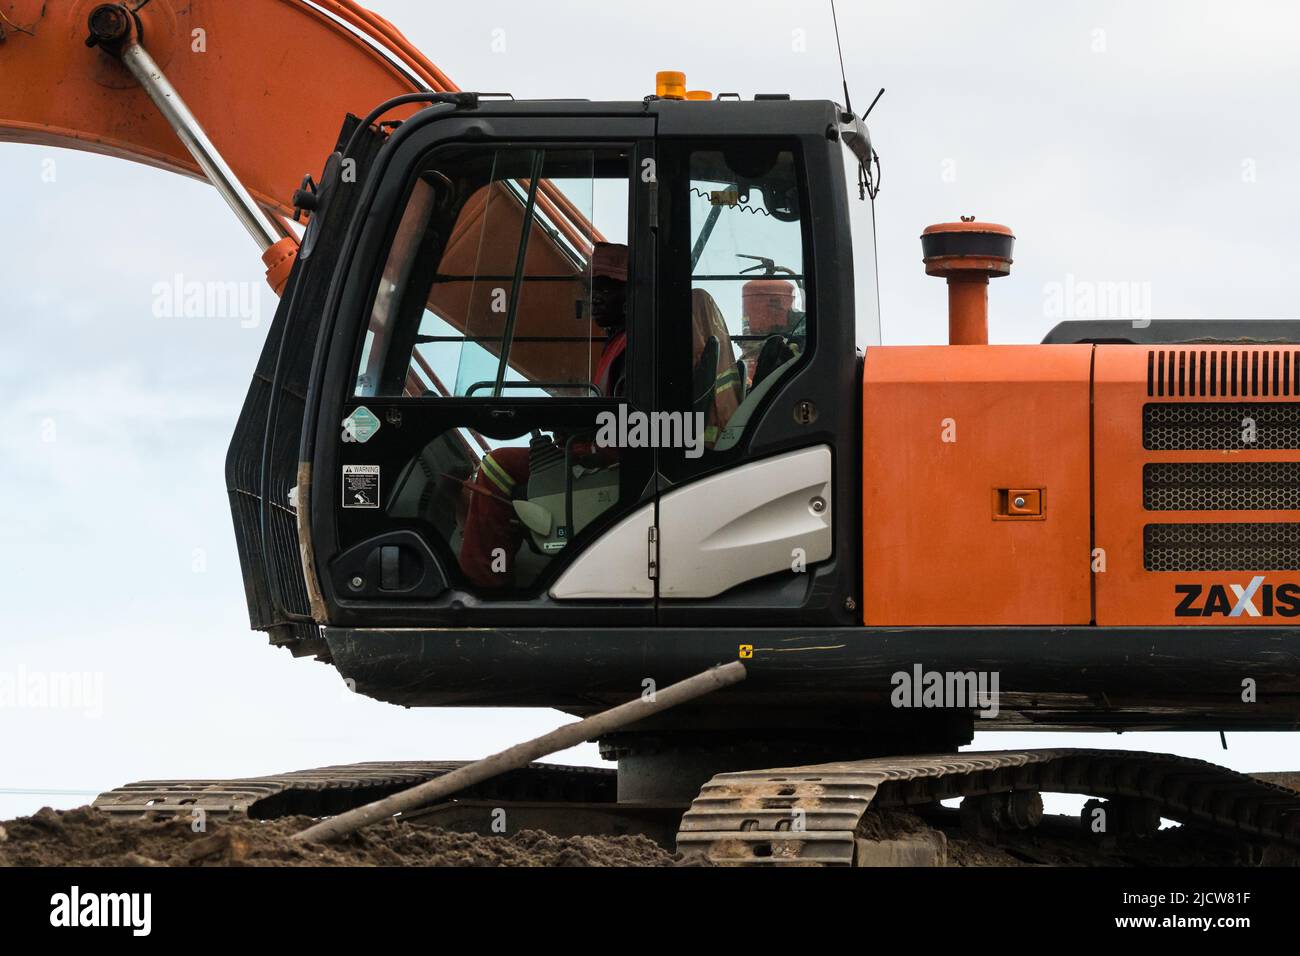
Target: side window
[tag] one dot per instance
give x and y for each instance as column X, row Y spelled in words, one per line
column 506, row 282
column 499, row 282
column 748, row 320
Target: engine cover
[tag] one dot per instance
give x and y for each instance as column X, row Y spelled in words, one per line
column 1197, row 478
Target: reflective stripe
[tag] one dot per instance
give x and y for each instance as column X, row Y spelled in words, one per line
column 728, row 379
column 496, row 474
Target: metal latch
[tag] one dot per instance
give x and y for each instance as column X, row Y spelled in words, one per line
column 652, row 566
column 1023, row 504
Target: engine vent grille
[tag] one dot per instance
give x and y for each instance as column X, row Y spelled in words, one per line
column 1238, row 546
column 1221, row 486
column 1217, row 373
column 1228, row 427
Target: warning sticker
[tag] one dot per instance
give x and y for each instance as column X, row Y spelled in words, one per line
column 360, row 486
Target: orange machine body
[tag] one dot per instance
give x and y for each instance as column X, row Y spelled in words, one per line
column 1118, row 485
column 953, row 437
column 1197, row 484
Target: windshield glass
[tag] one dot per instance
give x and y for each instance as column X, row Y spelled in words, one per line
column 491, row 289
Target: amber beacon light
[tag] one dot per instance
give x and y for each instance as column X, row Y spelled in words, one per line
column 670, row 85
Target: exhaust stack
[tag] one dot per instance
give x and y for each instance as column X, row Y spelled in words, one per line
column 968, row 254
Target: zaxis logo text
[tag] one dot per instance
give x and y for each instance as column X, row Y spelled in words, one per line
column 1255, row 599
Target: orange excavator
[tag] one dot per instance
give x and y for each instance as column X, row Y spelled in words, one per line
column 563, row 400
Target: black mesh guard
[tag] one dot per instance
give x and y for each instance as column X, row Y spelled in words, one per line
column 272, row 567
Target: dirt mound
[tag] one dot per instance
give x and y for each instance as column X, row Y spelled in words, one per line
column 86, row 837
column 889, row 825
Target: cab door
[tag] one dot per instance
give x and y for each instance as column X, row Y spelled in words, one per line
column 756, row 352
column 494, row 328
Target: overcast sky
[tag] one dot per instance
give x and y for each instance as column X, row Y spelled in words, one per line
column 1148, row 142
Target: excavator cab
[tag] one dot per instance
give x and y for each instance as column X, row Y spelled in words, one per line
column 544, row 364
column 482, row 518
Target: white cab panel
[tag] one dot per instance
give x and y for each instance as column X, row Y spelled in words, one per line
column 744, row 523
column 615, row 565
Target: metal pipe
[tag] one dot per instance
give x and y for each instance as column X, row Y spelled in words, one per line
column 142, row 66
column 968, row 310
column 520, row 755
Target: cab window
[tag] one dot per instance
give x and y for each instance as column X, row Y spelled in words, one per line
column 501, row 316
column 748, row 318
column 493, row 287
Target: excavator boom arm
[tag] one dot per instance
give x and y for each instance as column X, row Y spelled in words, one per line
column 269, row 80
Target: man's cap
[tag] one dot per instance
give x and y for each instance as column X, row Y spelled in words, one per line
column 609, row 259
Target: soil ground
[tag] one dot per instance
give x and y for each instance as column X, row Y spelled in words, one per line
column 86, row 837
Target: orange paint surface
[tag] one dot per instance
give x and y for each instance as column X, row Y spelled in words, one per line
column 1127, row 593
column 934, row 550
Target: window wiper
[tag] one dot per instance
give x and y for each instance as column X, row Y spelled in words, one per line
column 698, row 249
column 703, row 240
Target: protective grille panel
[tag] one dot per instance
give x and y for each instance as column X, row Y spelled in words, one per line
column 1209, row 426
column 1224, row 373
column 1238, row 546
column 1221, row 486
